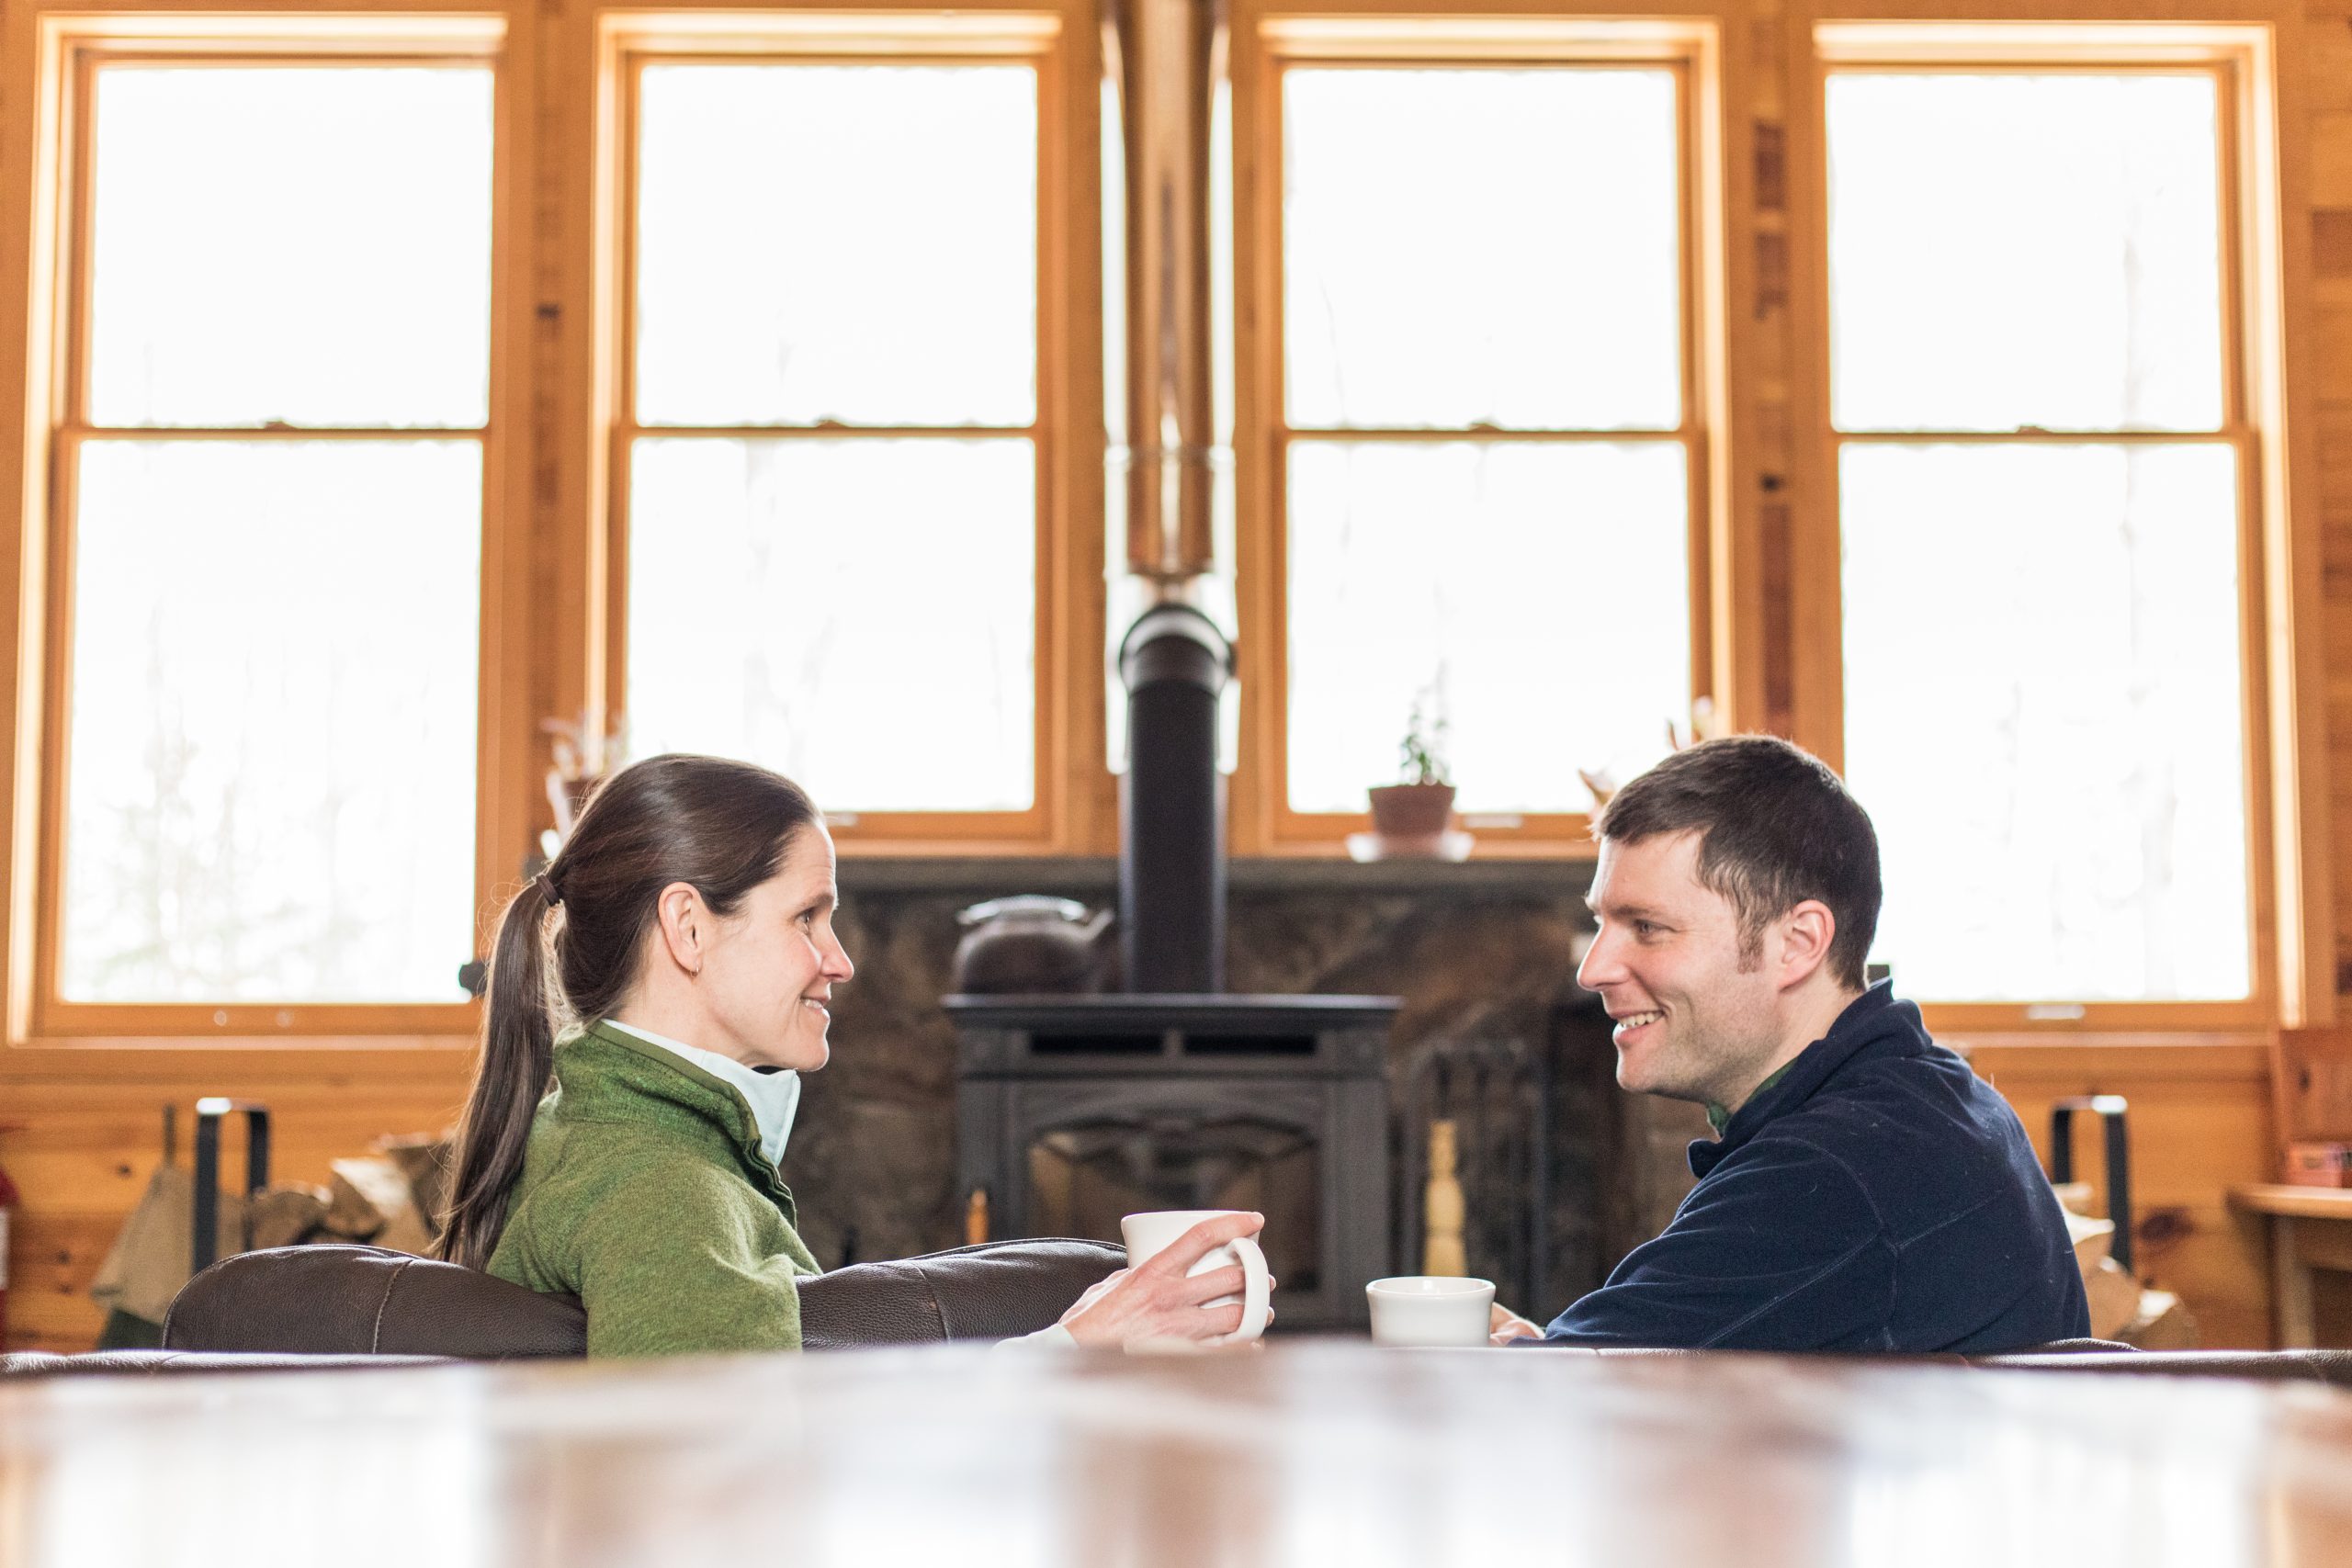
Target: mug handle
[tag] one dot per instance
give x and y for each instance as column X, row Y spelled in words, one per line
column 1253, row 1291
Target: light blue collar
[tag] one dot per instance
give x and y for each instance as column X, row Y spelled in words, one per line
column 774, row 1098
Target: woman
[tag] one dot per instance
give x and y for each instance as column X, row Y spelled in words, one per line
column 695, row 943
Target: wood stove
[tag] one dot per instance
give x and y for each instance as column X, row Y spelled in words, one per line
column 1073, row 1110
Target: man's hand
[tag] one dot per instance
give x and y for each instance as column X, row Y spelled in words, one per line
column 1503, row 1325
column 1157, row 1302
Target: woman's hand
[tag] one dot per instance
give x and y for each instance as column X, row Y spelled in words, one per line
column 1503, row 1325
column 1155, row 1300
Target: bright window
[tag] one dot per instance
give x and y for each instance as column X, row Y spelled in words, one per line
column 1487, row 461
column 271, row 472
column 2040, row 494
column 832, row 492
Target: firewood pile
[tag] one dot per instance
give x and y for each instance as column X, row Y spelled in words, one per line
column 2122, row 1308
column 385, row 1198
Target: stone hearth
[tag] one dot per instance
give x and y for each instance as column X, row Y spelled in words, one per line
column 1474, row 952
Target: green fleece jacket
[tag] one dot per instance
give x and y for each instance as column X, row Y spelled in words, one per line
column 644, row 1193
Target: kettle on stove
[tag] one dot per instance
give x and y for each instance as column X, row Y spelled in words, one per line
column 1031, row 943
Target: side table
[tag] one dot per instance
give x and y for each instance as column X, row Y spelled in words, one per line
column 2310, row 1228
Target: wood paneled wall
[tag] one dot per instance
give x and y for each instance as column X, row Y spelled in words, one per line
column 2201, row 1123
column 87, row 1140
column 2329, row 37
column 90, row 1125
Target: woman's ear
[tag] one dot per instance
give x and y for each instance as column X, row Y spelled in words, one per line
column 684, row 924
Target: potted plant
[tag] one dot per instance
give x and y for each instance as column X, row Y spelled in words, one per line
column 1413, row 815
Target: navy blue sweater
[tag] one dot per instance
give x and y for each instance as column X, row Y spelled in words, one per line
column 1876, row 1196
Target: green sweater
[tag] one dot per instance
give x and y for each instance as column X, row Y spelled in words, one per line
column 643, row 1193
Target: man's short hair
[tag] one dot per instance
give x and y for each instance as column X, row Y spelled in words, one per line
column 1775, row 827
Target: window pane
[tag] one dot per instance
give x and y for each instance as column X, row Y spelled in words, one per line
column 1545, row 586
column 2014, row 250
column 2049, row 741
column 296, row 243
column 858, row 615
column 271, row 794
column 1477, row 245
column 855, row 243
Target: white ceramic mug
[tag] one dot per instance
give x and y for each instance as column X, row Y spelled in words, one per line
column 1429, row 1308
column 1148, row 1235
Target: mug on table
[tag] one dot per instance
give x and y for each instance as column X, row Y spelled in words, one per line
column 1147, row 1234
column 1429, row 1310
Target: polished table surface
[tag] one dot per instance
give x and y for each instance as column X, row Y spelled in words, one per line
column 1312, row 1452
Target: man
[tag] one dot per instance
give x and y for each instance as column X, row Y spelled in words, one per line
column 1865, row 1190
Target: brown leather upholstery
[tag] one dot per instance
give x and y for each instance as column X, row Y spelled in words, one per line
column 2270, row 1366
column 995, row 1291
column 367, row 1301
column 48, row 1363
column 362, row 1301
column 2108, row 1356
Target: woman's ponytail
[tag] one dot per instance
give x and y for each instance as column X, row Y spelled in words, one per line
column 517, row 1056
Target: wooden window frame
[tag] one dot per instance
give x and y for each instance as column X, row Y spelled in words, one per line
column 49, row 54
column 2265, row 281
column 1073, row 806
column 1707, row 55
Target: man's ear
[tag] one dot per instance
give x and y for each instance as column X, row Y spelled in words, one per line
column 684, row 923
column 1806, row 933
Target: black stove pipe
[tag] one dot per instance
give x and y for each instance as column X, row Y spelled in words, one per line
column 1174, row 663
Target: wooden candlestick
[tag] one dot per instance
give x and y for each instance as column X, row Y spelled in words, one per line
column 1442, row 1203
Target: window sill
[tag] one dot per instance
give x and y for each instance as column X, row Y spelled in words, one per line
column 2077, row 1039
column 172, row 1060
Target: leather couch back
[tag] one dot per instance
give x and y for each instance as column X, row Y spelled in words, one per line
column 997, row 1290
column 366, row 1301
column 2270, row 1366
column 155, row 1363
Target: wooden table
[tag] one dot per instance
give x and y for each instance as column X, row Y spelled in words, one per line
column 1311, row 1453
column 2310, row 1228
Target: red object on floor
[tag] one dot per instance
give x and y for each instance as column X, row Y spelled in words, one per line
column 8, row 1206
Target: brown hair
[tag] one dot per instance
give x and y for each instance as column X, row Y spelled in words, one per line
column 1776, row 828
column 722, row 827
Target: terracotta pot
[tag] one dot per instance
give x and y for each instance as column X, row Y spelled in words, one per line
column 1412, row 811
